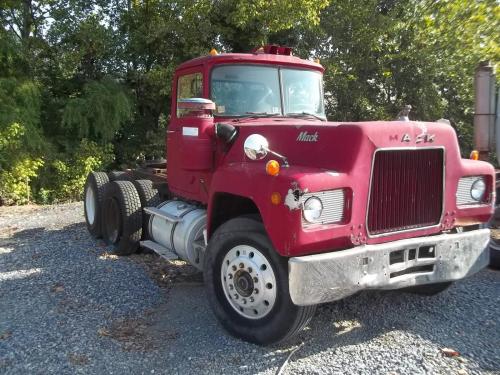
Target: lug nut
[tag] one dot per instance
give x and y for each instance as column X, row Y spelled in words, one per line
column 256, row 291
column 231, row 287
column 230, row 276
column 250, row 269
column 251, row 299
column 244, row 301
column 236, row 296
column 242, row 265
column 234, row 268
column 255, row 280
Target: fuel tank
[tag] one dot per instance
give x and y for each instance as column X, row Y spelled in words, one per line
column 182, row 234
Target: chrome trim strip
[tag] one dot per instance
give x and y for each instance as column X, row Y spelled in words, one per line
column 370, row 191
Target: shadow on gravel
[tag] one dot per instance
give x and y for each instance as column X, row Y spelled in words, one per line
column 57, row 290
column 463, row 318
column 65, row 293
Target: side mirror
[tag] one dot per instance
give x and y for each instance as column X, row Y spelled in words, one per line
column 256, row 147
column 226, row 132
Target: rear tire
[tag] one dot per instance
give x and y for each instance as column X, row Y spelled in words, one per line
column 149, row 198
column 494, row 255
column 239, row 261
column 122, row 217
column 118, row 176
column 93, row 199
column 429, row 289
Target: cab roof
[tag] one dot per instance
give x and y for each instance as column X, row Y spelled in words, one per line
column 251, row 58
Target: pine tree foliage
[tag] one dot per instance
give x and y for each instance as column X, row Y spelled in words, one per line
column 99, row 112
column 86, row 84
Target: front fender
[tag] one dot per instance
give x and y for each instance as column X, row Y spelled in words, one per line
column 283, row 221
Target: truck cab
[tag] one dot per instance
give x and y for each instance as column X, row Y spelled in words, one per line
column 283, row 210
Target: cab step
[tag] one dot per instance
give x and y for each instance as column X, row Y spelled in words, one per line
column 159, row 249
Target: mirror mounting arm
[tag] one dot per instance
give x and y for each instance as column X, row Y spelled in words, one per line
column 283, row 158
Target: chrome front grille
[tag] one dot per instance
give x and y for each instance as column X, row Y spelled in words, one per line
column 406, row 190
column 333, row 206
column 463, row 190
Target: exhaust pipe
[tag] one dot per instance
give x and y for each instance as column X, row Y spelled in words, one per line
column 486, row 139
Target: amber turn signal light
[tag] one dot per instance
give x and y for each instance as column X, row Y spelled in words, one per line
column 474, row 155
column 272, row 168
column 275, row 198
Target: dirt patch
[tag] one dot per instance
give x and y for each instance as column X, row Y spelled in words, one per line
column 78, row 359
column 8, row 231
column 167, row 273
column 137, row 334
column 57, row 288
column 5, row 335
column 15, row 210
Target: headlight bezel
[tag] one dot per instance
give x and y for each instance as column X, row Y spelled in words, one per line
column 315, row 212
column 478, row 197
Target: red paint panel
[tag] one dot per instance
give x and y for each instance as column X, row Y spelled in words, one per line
column 406, row 191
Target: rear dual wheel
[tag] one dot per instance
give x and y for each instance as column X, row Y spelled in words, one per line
column 122, row 217
column 94, row 189
column 247, row 284
column 149, row 197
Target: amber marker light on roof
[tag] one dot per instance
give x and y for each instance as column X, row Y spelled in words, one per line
column 213, row 52
column 275, row 198
column 474, row 155
column 272, row 168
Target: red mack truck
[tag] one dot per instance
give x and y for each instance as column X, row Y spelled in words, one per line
column 283, row 210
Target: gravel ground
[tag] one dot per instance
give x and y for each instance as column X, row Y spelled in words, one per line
column 68, row 306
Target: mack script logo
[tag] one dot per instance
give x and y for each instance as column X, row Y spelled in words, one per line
column 305, row 137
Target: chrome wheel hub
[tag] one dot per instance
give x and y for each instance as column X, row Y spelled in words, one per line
column 90, row 205
column 248, row 281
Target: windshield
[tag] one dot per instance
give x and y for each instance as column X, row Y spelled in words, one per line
column 242, row 90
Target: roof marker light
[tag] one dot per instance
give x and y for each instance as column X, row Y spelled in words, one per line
column 474, row 155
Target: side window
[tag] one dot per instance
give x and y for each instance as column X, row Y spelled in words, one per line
column 189, row 86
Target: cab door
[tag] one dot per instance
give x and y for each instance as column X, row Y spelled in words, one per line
column 190, row 147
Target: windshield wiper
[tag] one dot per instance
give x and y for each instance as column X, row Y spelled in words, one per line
column 257, row 115
column 305, row 114
column 262, row 114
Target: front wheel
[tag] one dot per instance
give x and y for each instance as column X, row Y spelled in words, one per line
column 494, row 255
column 247, row 284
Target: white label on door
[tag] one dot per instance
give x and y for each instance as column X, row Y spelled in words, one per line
column 190, row 132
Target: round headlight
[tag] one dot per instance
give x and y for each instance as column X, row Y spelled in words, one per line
column 478, row 189
column 312, row 209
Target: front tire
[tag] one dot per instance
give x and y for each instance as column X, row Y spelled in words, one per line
column 494, row 255
column 247, row 284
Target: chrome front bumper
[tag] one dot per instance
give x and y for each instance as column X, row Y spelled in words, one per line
column 424, row 260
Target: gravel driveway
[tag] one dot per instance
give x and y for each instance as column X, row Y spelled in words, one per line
column 67, row 306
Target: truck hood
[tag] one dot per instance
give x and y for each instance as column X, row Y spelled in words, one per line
column 342, row 146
